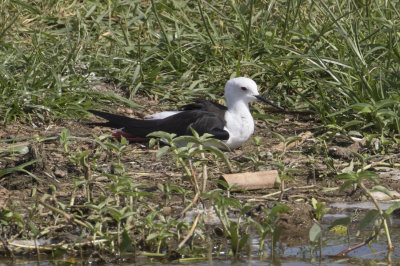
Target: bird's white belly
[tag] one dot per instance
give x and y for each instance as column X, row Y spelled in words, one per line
column 240, row 129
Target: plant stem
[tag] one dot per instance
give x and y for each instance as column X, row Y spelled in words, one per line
column 204, row 168
column 383, row 219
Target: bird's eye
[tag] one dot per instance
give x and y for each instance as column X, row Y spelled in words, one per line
column 243, row 88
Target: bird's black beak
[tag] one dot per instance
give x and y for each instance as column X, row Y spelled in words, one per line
column 268, row 102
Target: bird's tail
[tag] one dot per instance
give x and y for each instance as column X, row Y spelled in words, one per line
column 113, row 121
column 137, row 127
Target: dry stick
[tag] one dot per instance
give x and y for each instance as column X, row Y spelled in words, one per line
column 190, row 233
column 204, row 167
column 197, row 189
column 196, row 197
column 54, row 246
column 366, row 242
column 282, row 190
column 88, row 177
column 275, row 193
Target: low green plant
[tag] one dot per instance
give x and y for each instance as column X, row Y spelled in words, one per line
column 269, row 226
column 358, row 179
column 8, row 217
column 235, row 228
column 186, row 148
column 285, row 142
column 21, row 168
column 256, row 157
column 284, row 175
column 316, row 231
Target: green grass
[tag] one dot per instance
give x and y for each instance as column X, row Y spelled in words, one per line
column 339, row 58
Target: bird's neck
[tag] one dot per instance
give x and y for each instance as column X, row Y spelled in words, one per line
column 239, row 107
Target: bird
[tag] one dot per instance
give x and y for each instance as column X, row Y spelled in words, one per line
column 233, row 124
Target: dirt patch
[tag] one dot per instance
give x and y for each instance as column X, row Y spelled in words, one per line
column 54, row 173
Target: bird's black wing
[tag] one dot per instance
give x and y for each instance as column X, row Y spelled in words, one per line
column 180, row 124
column 208, row 123
column 208, row 106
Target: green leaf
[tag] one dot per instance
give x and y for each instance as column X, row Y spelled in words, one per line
column 349, row 169
column 113, row 95
column 20, row 168
column 217, row 143
column 152, row 236
column 22, row 149
column 382, row 189
column 234, row 237
column 233, row 202
column 246, row 208
column 344, row 176
column 27, row 6
column 279, row 136
column 347, row 184
column 362, row 107
column 161, row 135
column 279, row 208
column 162, row 151
column 186, row 139
column 194, row 132
column 276, row 234
column 315, row 232
column 353, row 123
column 152, row 142
column 126, row 243
column 393, row 208
column 368, row 218
column 220, row 154
column 292, row 139
column 314, row 203
column 243, row 241
column 386, row 103
column 33, row 228
column 368, row 175
column 341, row 221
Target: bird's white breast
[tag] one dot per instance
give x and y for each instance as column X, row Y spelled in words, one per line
column 240, row 127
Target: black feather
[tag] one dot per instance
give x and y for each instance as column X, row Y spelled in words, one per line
column 200, row 120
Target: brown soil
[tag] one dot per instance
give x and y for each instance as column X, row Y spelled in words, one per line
column 55, row 169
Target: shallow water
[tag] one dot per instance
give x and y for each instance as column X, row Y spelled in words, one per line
column 285, row 253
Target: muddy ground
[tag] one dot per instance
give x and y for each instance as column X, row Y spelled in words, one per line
column 308, row 156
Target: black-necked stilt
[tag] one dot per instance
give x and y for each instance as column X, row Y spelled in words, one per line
column 233, row 124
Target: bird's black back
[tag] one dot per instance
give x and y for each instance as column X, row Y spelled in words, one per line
column 208, row 106
column 200, row 120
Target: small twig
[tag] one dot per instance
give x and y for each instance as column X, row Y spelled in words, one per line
column 55, row 246
column 196, row 196
column 275, row 193
column 88, row 177
column 190, row 233
column 282, row 190
column 205, row 174
column 349, row 249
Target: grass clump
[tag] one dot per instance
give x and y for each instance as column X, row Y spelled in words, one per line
column 340, row 59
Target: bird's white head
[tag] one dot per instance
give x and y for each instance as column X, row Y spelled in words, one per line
column 244, row 90
column 240, row 89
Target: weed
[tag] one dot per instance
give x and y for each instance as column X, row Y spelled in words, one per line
column 269, row 225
